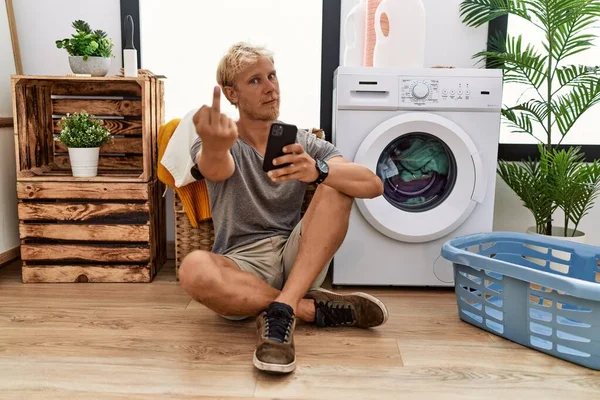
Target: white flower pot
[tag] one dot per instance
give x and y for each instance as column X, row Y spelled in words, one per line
column 558, row 232
column 84, row 161
column 95, row 66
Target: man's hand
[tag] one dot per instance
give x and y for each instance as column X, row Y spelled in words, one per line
column 301, row 168
column 218, row 134
column 217, row 131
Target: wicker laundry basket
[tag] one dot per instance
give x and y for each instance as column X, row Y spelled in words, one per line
column 188, row 238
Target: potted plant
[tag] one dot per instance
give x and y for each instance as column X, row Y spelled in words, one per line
column 558, row 178
column 90, row 52
column 83, row 135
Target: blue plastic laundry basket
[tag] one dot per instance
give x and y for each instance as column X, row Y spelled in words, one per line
column 540, row 292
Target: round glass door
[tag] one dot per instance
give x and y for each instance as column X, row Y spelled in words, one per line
column 418, row 172
column 432, row 175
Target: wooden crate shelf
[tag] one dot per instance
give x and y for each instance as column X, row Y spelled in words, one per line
column 132, row 109
column 108, row 228
column 91, row 232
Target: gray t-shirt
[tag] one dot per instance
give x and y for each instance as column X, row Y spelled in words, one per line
column 248, row 206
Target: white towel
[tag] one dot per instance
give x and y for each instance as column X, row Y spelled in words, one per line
column 177, row 159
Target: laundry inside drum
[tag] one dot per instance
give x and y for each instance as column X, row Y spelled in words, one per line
column 418, row 171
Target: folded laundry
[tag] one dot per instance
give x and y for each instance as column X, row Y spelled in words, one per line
column 414, row 192
column 423, row 156
column 414, row 170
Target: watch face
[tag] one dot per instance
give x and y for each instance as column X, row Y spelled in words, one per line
column 323, row 166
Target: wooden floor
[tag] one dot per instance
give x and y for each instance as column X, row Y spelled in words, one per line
column 138, row 341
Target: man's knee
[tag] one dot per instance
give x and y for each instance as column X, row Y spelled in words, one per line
column 198, row 274
column 334, row 196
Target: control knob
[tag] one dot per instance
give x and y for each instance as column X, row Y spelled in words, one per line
column 420, row 90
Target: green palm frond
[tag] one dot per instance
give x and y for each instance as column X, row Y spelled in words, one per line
column 521, row 65
column 552, row 15
column 528, row 181
column 568, row 37
column 535, row 108
column 519, row 122
column 569, row 107
column 587, row 192
column 478, row 12
column 563, row 166
column 584, row 192
column 575, row 75
column 576, row 184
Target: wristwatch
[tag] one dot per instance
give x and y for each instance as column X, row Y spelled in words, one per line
column 323, row 170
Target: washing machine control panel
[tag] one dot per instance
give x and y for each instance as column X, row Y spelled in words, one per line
column 430, row 91
column 420, row 91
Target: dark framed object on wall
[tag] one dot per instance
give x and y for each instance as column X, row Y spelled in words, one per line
column 132, row 7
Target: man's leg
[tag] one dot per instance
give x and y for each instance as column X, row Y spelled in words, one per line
column 220, row 284
column 331, row 309
column 324, row 228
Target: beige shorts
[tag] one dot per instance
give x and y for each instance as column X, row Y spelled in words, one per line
column 272, row 259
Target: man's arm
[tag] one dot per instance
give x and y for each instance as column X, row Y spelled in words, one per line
column 352, row 179
column 347, row 177
column 215, row 166
column 217, row 133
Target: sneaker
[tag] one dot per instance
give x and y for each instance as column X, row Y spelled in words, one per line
column 360, row 310
column 275, row 351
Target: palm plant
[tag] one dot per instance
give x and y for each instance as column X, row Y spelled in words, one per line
column 563, row 93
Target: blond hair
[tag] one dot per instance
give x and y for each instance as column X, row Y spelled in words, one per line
column 238, row 57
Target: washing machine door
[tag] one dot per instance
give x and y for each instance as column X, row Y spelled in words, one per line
column 432, row 174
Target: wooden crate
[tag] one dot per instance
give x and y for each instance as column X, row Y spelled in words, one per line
column 108, row 228
column 91, row 232
column 132, row 109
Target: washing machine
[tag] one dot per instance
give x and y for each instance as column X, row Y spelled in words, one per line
column 432, row 136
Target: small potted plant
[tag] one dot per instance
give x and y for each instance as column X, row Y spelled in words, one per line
column 83, row 135
column 90, row 52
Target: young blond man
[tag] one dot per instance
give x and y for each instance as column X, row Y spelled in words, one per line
column 265, row 261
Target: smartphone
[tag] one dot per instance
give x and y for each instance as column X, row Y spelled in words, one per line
column 280, row 135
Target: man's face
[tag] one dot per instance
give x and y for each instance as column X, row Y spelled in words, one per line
column 257, row 91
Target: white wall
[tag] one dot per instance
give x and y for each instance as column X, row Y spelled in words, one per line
column 450, row 43
column 41, row 22
column 7, row 64
column 9, row 223
column 191, row 75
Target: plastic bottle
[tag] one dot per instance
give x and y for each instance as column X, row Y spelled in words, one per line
column 404, row 45
column 354, row 35
column 370, row 32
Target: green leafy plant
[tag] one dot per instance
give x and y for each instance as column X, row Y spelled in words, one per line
column 87, row 43
column 558, row 179
column 563, row 92
column 575, row 183
column 80, row 130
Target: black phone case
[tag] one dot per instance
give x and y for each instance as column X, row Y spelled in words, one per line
column 280, row 135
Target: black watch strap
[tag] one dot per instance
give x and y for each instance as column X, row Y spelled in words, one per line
column 322, row 173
